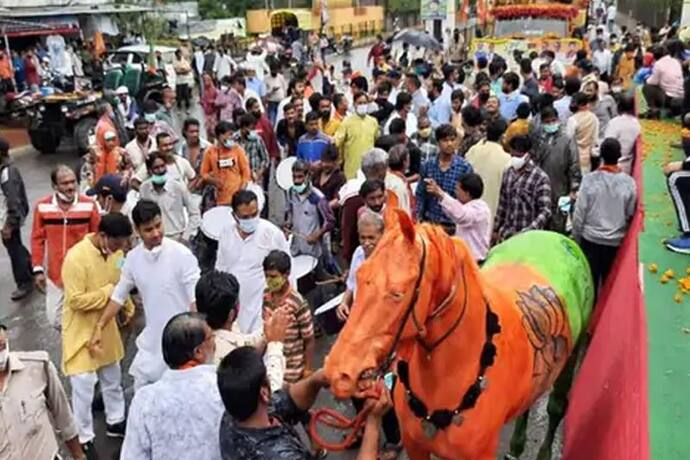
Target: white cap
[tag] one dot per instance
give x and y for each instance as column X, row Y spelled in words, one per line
column 122, row 90
column 109, row 135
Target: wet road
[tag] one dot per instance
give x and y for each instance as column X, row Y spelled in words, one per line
column 29, row 330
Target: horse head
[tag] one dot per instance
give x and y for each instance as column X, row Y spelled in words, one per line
column 400, row 286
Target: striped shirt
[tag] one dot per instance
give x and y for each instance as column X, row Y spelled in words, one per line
column 300, row 329
column 55, row 231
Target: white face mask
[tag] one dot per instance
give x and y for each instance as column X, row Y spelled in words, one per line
column 62, row 197
column 518, row 162
column 154, row 253
column 4, row 356
column 362, row 109
column 223, row 88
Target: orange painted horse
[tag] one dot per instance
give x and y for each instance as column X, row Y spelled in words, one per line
column 471, row 348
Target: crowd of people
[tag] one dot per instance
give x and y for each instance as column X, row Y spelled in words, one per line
column 485, row 146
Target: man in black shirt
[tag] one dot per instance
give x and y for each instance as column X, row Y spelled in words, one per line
column 257, row 424
column 290, row 129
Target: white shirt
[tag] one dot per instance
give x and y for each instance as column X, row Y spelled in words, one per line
column 166, row 281
column 410, row 123
column 358, row 258
column 626, row 129
column 223, row 66
column 258, row 63
column 397, row 185
column 244, row 258
column 602, row 60
column 180, row 214
column 306, row 108
column 137, row 154
column 180, row 170
column 176, row 418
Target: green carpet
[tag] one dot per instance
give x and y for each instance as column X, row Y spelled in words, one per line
column 668, row 319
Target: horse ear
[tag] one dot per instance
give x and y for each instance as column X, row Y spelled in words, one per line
column 406, row 225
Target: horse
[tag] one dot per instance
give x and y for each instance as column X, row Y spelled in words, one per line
column 470, row 348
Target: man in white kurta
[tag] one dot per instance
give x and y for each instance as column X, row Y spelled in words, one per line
column 243, row 255
column 166, row 277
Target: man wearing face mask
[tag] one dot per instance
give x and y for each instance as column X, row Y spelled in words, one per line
column 165, row 273
column 178, row 167
column 89, row 274
column 110, row 195
column 244, row 243
column 225, row 165
column 253, row 146
column 181, row 217
column 156, row 126
column 30, row 382
column 356, row 135
column 60, row 221
column 265, row 130
column 523, row 182
column 556, row 154
column 308, row 216
column 179, row 415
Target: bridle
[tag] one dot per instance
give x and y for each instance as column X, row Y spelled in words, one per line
column 410, row 312
column 433, row 420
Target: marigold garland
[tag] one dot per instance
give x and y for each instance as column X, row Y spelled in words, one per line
column 545, row 11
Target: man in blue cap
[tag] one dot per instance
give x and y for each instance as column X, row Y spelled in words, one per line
column 111, row 194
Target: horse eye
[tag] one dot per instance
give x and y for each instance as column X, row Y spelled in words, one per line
column 396, row 295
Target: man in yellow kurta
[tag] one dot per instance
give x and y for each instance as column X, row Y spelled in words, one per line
column 89, row 273
column 356, row 136
column 339, row 113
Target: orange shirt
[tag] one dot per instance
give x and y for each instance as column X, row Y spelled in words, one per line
column 104, row 125
column 107, row 162
column 5, row 69
column 231, row 166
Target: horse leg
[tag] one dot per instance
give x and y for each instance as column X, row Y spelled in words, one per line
column 558, row 401
column 519, row 438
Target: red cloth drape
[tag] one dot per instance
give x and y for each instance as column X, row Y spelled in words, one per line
column 608, row 413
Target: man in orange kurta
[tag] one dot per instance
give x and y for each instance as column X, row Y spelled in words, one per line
column 105, row 124
column 108, row 159
column 225, row 166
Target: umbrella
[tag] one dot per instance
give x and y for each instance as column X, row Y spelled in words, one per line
column 418, row 38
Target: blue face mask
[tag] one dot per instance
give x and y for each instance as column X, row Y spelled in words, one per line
column 551, row 128
column 229, row 143
column 300, row 188
column 248, row 225
column 150, row 117
column 159, row 179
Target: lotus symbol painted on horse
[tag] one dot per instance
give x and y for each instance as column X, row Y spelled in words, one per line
column 472, row 348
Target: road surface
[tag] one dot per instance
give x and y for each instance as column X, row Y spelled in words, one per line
column 29, row 330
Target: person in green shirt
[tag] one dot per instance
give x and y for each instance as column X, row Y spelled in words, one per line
column 356, row 136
